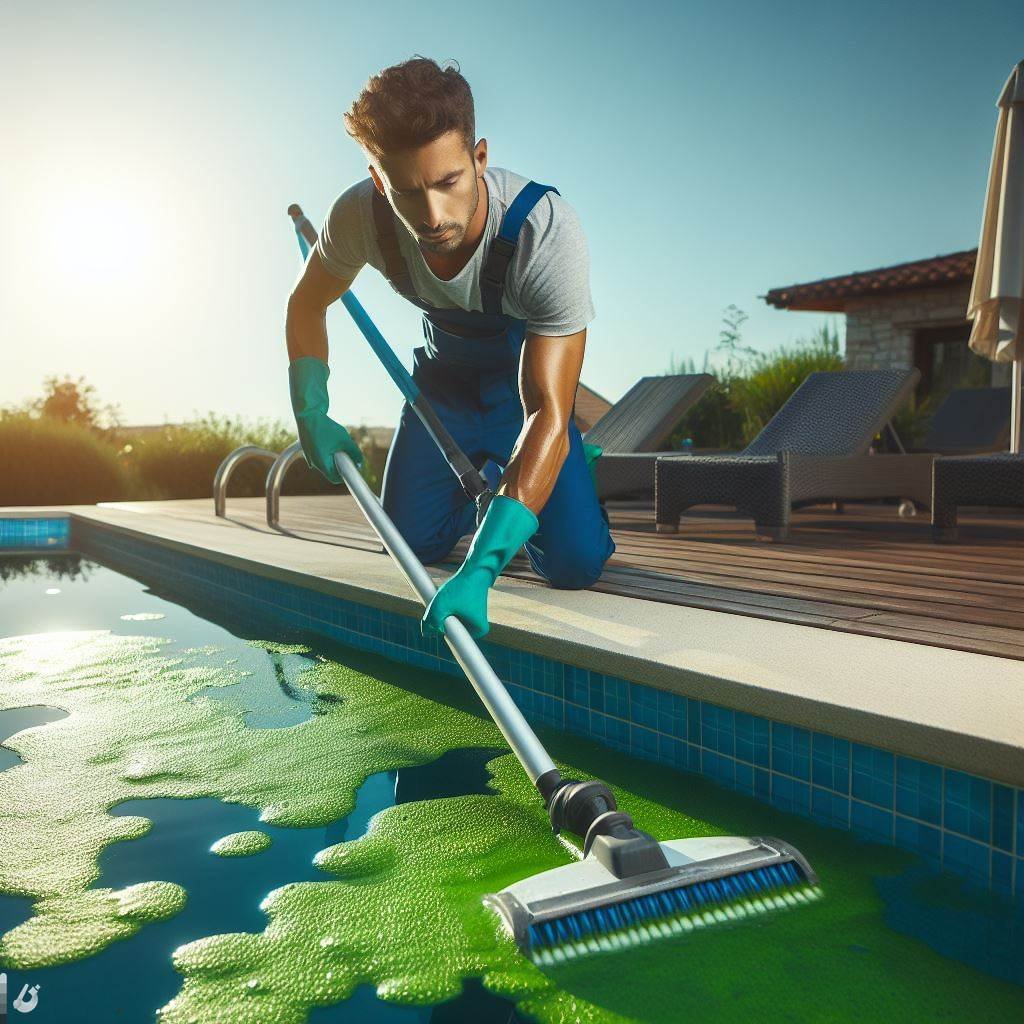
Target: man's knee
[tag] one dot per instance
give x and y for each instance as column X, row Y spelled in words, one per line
column 574, row 576
column 572, row 568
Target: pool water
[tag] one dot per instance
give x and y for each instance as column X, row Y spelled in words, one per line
column 137, row 731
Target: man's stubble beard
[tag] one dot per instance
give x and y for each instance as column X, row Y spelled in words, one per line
column 447, row 247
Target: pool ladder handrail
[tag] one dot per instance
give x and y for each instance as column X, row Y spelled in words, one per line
column 227, row 467
column 275, row 479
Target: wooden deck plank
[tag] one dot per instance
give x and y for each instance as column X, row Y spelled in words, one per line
column 824, row 568
column 1011, row 599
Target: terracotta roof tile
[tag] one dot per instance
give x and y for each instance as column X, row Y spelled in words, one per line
column 830, row 293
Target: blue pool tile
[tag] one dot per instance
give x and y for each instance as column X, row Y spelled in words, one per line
column 966, row 857
column 643, row 706
column 744, row 777
column 1020, row 823
column 752, row 739
column 744, row 732
column 791, row 751
column 577, row 720
column 613, row 731
column 671, row 713
column 709, row 725
column 830, row 808
column 922, row 839
column 830, row 762
column 719, row 768
column 791, row 795
column 577, row 685
column 693, row 721
column 762, row 784
column 1002, row 873
column 46, row 533
column 673, row 752
column 967, row 807
column 871, row 822
column 919, row 789
column 726, row 732
column 609, row 695
column 643, row 742
column 1002, row 817
column 873, row 778
column 717, row 729
column 616, row 696
column 548, row 677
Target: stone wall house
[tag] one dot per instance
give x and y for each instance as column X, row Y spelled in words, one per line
column 910, row 314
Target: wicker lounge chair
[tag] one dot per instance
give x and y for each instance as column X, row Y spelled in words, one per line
column 995, row 479
column 970, row 421
column 633, row 428
column 815, row 448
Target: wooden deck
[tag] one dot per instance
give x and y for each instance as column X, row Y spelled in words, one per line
column 862, row 571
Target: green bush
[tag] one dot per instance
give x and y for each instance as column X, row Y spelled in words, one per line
column 46, row 461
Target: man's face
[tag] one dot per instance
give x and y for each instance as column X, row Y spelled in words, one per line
column 435, row 189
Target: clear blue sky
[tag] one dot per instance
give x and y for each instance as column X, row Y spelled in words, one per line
column 713, row 150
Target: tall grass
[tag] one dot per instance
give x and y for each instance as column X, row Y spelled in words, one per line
column 179, row 461
column 771, row 378
column 750, row 386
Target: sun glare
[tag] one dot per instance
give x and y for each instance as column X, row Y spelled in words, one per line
column 99, row 235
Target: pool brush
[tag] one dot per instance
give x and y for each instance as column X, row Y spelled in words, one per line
column 628, row 888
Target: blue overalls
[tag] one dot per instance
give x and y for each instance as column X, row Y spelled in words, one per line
column 468, row 370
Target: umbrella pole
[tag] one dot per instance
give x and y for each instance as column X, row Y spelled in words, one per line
column 1015, row 402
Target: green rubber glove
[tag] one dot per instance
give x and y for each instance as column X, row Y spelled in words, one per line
column 592, row 452
column 320, row 436
column 506, row 526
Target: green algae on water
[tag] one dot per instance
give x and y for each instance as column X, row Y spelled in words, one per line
column 241, row 844
column 132, row 733
column 406, row 915
column 400, row 908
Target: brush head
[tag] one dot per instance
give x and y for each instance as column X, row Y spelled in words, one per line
column 585, row 907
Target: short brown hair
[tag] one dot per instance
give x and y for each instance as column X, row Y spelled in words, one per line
column 409, row 105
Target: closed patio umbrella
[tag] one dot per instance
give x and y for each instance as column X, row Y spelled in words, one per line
column 996, row 304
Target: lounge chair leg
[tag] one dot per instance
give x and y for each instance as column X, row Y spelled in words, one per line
column 667, row 527
column 945, row 528
column 838, row 506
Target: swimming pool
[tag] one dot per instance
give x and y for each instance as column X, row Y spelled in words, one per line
column 140, row 731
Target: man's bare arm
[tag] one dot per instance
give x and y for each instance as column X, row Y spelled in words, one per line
column 306, row 320
column 549, row 373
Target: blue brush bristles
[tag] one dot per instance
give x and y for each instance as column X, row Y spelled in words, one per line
column 669, row 912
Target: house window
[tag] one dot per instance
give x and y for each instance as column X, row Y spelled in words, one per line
column 946, row 362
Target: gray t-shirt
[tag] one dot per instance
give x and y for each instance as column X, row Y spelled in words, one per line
column 548, row 281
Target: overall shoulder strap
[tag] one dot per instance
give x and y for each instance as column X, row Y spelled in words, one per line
column 503, row 247
column 395, row 269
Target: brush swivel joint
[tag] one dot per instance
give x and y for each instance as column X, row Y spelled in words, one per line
column 588, row 809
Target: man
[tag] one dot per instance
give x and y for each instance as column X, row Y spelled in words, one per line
column 499, row 266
